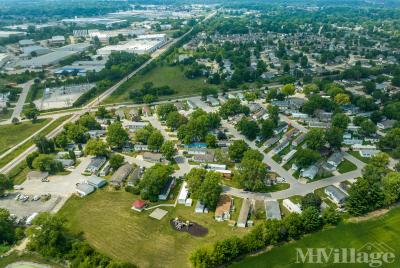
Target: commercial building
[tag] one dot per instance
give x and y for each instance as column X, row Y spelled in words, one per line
column 132, row 46
column 8, row 34
column 52, row 58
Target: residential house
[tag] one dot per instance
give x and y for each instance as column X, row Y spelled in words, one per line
column 166, row 189
column 183, row 194
column 272, row 210
column 141, row 147
column 386, row 124
column 105, row 170
column 146, row 111
column 84, row 189
column 119, row 176
column 212, row 101
column 334, row 161
column 244, row 213
column 292, row 207
column 134, row 126
column 191, row 105
column 310, row 172
column 135, row 176
column 224, row 207
column 96, row 182
column 368, row 153
column 66, row 163
column 297, row 141
column 152, row 157
column 97, row 133
column 335, row 194
column 95, row 164
column 204, row 158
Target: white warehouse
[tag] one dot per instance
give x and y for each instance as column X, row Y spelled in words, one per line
column 133, row 46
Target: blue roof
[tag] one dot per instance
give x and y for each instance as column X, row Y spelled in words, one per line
column 196, row 145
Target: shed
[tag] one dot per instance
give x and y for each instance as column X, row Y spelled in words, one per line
column 139, row 205
column 244, row 213
column 199, row 207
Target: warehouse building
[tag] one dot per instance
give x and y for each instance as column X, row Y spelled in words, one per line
column 46, row 60
column 132, row 46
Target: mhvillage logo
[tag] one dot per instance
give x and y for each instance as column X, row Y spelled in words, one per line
column 371, row 254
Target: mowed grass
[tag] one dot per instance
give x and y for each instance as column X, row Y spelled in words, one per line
column 11, row 135
column 172, row 76
column 346, row 166
column 384, row 229
column 106, row 220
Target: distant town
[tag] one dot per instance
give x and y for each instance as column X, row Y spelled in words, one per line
column 214, row 134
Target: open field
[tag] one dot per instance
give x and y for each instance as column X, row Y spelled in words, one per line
column 10, row 135
column 109, row 224
column 384, row 229
column 160, row 76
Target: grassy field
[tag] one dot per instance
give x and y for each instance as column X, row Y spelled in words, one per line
column 6, row 115
column 109, row 224
column 346, row 166
column 160, row 76
column 384, row 229
column 359, row 157
column 10, row 135
column 26, row 145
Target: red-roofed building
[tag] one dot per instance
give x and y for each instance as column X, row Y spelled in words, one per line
column 139, row 205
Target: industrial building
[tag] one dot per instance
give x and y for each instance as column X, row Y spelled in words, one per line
column 132, row 46
column 46, row 60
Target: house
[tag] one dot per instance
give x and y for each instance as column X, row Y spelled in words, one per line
column 309, row 172
column 368, row 153
column 223, row 210
column 120, row 114
column 37, row 175
column 358, row 147
column 95, row 164
column 105, row 170
column 121, row 175
column 57, row 40
column 97, row 133
column 199, row 207
column 297, row 141
column 226, row 173
column 335, row 194
column 352, row 141
column 135, row 176
column 204, row 158
column 66, row 163
column 191, row 105
column 292, row 207
column 289, row 156
column 139, row 205
column 166, row 189
column 334, row 161
column 215, row 167
column 134, row 114
column 152, row 157
column 386, row 124
column 84, row 189
column 95, row 181
column 133, row 126
column 183, row 194
column 244, row 213
column 272, row 210
column 197, row 151
column 141, row 147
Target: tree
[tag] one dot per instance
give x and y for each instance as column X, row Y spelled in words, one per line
column 252, row 154
column 44, row 145
column 391, row 188
column 96, row 147
column 306, row 157
column 251, row 174
column 175, row 120
column 31, row 114
column 233, row 107
column 311, row 219
column 248, row 128
column 340, row 120
column 211, row 189
column 102, row 113
column 142, row 135
column 154, row 179
column 15, row 121
column 288, row 89
column 7, row 227
column 311, row 200
column 75, row 132
column 195, row 179
column 116, row 135
column 267, row 129
column 315, row 139
column 61, row 140
column 155, row 141
column 88, row 122
column 330, row 216
column 163, row 110
column 5, row 184
column 168, row 150
column 211, row 141
column 237, row 150
column 367, row 128
column 30, row 157
column 116, row 160
column 49, row 236
column 47, row 163
column 310, row 89
column 334, row 136
column 342, row 99
column 293, row 224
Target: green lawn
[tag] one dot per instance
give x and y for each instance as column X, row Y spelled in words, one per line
column 384, row 229
column 27, row 257
column 10, row 135
column 346, row 166
column 109, row 224
column 6, row 115
column 357, row 155
column 160, row 76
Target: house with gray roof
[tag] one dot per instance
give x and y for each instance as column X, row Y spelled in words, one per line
column 244, row 213
column 119, row 176
column 84, row 189
column 309, row 172
column 272, row 210
column 335, row 194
